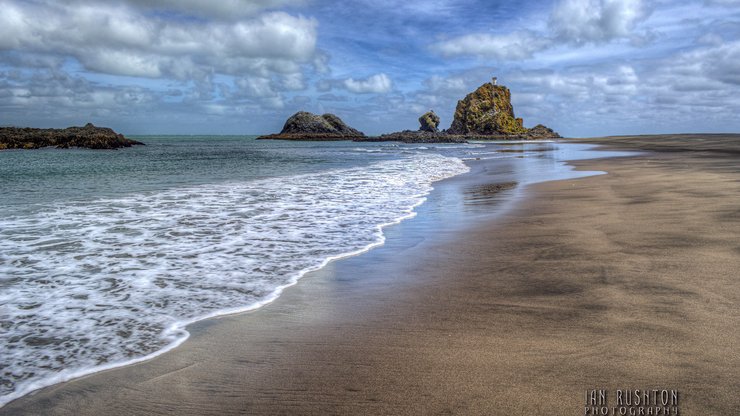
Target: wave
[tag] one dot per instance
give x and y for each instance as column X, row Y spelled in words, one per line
column 93, row 285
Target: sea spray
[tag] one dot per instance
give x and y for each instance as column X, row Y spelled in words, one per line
column 96, row 284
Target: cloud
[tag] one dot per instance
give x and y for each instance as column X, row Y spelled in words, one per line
column 255, row 87
column 582, row 21
column 718, row 62
column 514, row 46
column 378, row 83
column 573, row 22
column 120, row 40
column 454, row 84
column 225, row 9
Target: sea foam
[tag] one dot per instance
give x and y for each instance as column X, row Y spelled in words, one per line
column 92, row 285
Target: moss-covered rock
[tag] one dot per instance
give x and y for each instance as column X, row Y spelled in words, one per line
column 542, row 132
column 429, row 122
column 486, row 111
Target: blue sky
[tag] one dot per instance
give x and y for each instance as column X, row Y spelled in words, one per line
column 582, row 67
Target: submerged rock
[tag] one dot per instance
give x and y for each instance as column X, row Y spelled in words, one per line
column 410, row 136
column 90, row 137
column 486, row 111
column 429, row 122
column 308, row 126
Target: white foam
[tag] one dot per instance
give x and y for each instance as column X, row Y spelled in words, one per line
column 94, row 285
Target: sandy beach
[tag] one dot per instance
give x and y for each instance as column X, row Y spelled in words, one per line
column 627, row 280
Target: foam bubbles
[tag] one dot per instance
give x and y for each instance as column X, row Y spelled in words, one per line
column 96, row 284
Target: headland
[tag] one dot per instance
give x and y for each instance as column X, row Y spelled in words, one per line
column 89, row 136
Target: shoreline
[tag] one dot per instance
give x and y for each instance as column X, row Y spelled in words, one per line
column 349, row 319
column 184, row 326
column 181, row 327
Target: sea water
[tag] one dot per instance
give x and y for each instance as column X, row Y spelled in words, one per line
column 106, row 256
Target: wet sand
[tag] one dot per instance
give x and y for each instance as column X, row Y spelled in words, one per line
column 620, row 281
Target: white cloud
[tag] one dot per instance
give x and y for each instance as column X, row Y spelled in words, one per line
column 293, row 82
column 582, row 21
column 378, row 83
column 514, row 46
column 255, row 87
column 719, row 62
column 574, row 22
column 227, row 9
column 121, row 41
column 453, row 84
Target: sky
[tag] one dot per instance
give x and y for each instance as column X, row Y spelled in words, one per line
column 581, row 67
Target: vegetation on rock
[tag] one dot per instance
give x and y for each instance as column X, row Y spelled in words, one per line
column 484, row 114
column 486, row 111
column 429, row 122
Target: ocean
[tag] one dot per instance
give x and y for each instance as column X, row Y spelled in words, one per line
column 106, row 256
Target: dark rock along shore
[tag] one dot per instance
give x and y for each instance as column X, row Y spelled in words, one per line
column 90, row 137
column 484, row 114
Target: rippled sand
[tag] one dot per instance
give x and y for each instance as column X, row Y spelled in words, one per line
column 625, row 280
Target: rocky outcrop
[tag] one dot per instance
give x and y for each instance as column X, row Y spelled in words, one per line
column 90, row 137
column 486, row 111
column 484, row 114
column 541, row 132
column 428, row 133
column 410, row 136
column 307, row 126
column 429, row 122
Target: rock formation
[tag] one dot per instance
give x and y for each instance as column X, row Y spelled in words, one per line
column 307, row 126
column 428, row 133
column 486, row 111
column 429, row 122
column 484, row 114
column 541, row 132
column 89, row 137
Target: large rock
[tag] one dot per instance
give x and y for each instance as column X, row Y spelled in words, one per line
column 429, row 122
column 89, row 137
column 486, row 111
column 307, row 126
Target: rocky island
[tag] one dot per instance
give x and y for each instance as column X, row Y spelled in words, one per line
column 308, row 126
column 90, row 137
column 484, row 114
